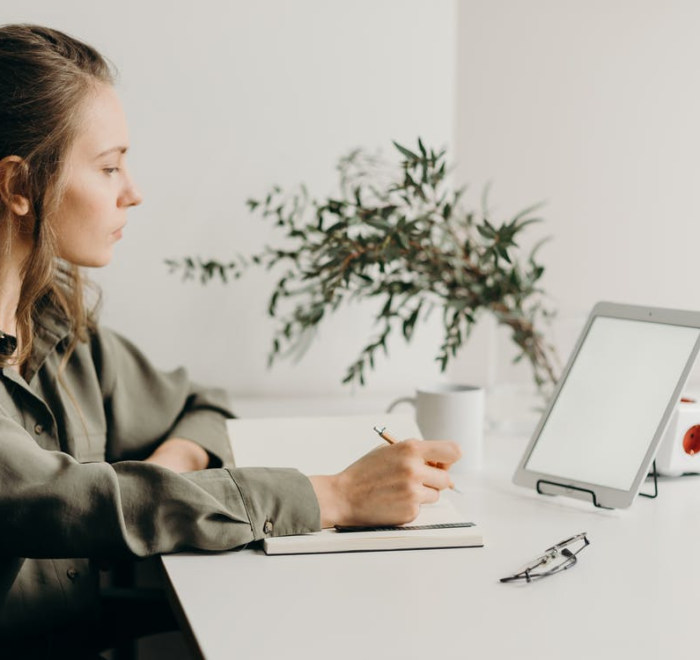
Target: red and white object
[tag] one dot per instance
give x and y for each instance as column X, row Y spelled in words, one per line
column 679, row 451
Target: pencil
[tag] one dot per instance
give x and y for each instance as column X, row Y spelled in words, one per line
column 385, row 435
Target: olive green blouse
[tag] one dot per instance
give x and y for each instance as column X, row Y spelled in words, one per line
column 75, row 494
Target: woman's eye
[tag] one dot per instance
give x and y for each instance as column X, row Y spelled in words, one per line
column 110, row 170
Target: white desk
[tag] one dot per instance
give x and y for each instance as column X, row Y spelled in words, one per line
column 635, row 592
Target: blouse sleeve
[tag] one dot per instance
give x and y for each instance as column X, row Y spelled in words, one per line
column 52, row 506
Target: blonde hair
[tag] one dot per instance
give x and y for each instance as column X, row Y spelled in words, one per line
column 45, row 78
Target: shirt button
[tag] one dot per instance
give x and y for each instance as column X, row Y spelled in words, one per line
column 267, row 527
column 38, row 429
column 72, row 573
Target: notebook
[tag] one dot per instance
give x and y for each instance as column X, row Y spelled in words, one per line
column 326, row 445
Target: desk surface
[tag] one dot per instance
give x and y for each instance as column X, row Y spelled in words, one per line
column 633, row 593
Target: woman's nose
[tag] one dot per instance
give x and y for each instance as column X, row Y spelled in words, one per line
column 132, row 195
column 136, row 196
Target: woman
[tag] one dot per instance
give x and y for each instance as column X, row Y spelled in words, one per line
column 103, row 457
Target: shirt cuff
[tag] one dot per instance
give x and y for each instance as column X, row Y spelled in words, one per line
column 207, row 428
column 279, row 501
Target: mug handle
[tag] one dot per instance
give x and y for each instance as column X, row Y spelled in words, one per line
column 405, row 399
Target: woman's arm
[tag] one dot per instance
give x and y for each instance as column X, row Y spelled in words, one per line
column 180, row 455
column 178, row 426
column 52, row 506
column 386, row 486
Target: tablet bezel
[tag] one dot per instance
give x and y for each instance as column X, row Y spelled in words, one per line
column 604, row 495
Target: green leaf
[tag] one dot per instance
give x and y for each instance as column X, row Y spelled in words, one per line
column 410, row 323
column 272, row 306
column 504, row 253
column 358, row 195
column 379, row 223
column 525, row 223
column 342, row 224
column 486, row 231
column 386, row 310
column 537, row 247
column 387, row 211
column 526, row 211
column 406, row 152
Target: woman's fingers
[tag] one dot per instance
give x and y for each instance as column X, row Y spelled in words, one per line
column 429, row 495
column 388, row 485
column 445, row 452
column 436, row 478
column 429, row 460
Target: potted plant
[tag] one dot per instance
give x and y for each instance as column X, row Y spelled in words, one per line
column 398, row 234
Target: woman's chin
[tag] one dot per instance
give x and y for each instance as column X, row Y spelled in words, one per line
column 89, row 261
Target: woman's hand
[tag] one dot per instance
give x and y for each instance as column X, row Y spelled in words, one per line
column 179, row 455
column 388, row 485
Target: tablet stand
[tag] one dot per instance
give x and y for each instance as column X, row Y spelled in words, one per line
column 592, row 494
column 656, row 483
column 569, row 487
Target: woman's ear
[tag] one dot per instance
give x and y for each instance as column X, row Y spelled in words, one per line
column 10, row 168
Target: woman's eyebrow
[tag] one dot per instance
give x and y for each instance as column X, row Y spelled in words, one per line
column 122, row 150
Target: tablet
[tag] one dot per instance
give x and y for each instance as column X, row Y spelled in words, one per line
column 601, row 429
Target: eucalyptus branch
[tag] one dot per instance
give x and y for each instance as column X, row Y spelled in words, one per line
column 400, row 235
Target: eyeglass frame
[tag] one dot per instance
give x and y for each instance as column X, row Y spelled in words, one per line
column 555, row 552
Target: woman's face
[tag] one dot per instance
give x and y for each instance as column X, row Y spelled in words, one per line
column 99, row 189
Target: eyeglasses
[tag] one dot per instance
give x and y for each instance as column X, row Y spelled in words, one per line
column 559, row 557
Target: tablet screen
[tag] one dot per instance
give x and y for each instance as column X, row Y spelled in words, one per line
column 612, row 401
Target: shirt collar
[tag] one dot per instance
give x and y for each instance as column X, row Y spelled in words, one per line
column 51, row 327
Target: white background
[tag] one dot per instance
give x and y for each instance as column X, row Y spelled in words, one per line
column 590, row 106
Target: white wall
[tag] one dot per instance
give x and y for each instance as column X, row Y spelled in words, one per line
column 225, row 99
column 592, row 106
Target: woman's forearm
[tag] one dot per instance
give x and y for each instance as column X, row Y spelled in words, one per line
column 179, row 455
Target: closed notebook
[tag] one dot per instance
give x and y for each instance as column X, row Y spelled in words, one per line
column 326, row 445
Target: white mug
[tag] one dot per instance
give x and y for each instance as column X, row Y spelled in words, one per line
column 452, row 412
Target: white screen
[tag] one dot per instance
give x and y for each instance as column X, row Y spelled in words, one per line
column 610, row 406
